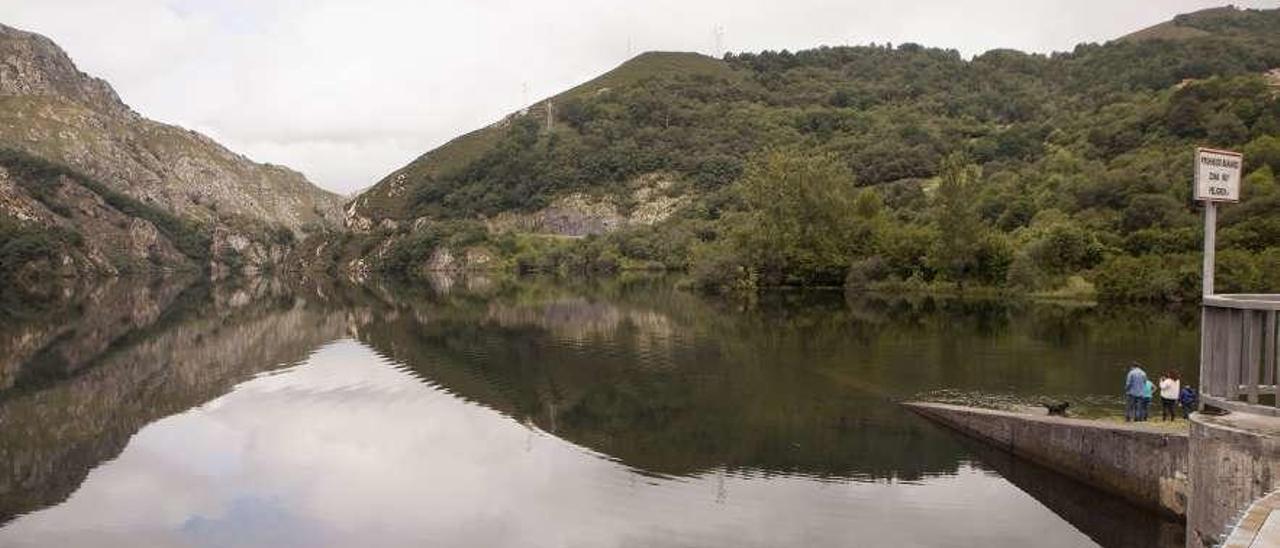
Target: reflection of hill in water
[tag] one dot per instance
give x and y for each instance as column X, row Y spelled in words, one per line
column 580, row 321
column 84, row 380
column 634, row 375
column 673, row 383
column 56, row 342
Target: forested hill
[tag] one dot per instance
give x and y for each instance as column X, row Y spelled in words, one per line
column 880, row 165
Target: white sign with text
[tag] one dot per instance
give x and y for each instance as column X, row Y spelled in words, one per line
column 1218, row 175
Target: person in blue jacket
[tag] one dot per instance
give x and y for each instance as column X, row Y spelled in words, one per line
column 1188, row 400
column 1135, row 384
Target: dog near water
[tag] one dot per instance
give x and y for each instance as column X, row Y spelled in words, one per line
column 1058, row 409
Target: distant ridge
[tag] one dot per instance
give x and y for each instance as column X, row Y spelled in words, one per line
column 1198, row 24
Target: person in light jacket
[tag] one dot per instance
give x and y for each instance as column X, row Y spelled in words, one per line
column 1134, row 385
column 1170, row 389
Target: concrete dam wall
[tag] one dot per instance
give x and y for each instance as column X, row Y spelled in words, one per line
column 1142, row 464
column 1235, row 460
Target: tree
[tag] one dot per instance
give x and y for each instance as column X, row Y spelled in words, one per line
column 1262, row 182
column 1065, row 248
column 798, row 224
column 955, row 212
column 1226, row 129
column 1263, row 151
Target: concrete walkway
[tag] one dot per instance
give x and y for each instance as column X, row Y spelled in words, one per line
column 1260, row 526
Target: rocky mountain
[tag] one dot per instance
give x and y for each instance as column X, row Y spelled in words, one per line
column 78, row 160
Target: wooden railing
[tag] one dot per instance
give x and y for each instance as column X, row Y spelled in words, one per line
column 1238, row 353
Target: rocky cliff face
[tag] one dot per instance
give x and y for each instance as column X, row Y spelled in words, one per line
column 34, row 66
column 64, row 230
column 52, row 111
column 577, row 214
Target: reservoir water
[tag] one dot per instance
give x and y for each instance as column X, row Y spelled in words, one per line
column 539, row 412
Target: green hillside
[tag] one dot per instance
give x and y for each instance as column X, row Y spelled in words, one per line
column 1223, row 21
column 878, row 166
column 382, row 200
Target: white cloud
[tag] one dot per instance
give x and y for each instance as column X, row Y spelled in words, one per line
column 348, row 91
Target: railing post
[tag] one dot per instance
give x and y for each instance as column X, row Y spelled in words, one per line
column 1222, row 356
column 1269, row 357
column 1235, row 336
column 1214, row 381
column 1252, row 353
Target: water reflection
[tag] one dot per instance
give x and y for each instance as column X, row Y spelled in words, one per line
column 328, row 454
column 493, row 412
column 1109, row 521
column 81, row 380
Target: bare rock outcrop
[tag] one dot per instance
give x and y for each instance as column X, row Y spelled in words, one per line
column 578, row 214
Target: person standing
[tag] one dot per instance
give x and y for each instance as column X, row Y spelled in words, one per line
column 1134, row 385
column 1148, row 391
column 1188, row 400
column 1170, row 390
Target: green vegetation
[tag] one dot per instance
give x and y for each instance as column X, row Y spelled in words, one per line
column 903, row 167
column 21, row 244
column 443, row 166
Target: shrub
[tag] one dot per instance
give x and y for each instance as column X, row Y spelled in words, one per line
column 1149, row 278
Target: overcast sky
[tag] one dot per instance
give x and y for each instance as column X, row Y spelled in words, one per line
column 346, row 91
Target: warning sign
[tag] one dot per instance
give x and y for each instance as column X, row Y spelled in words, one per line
column 1218, row 175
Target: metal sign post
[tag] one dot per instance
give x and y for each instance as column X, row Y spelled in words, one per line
column 1210, row 241
column 1217, row 180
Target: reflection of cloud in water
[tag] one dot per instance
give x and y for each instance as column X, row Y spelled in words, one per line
column 350, row 450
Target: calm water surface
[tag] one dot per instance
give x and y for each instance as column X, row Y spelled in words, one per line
column 536, row 412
